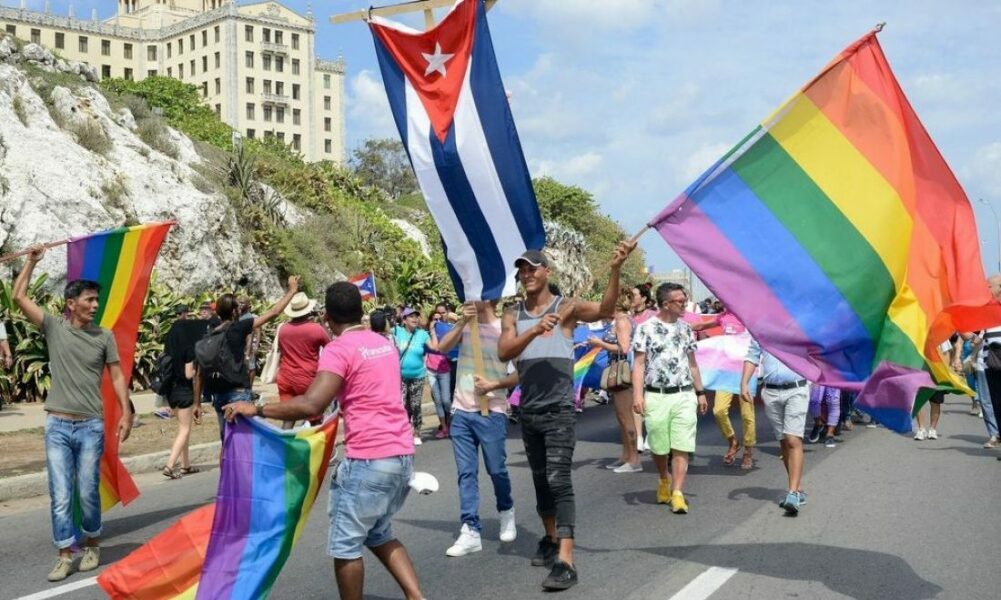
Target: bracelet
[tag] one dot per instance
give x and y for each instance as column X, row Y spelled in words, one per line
column 700, row 392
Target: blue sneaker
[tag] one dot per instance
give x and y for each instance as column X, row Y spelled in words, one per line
column 802, row 497
column 791, row 504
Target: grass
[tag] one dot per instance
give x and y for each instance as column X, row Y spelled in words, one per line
column 19, row 110
column 115, row 191
column 154, row 134
column 91, row 136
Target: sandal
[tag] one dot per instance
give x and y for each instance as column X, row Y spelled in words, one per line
column 731, row 454
column 747, row 463
column 190, row 470
column 171, row 473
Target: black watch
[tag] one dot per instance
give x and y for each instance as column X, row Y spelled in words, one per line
column 700, row 392
column 260, row 410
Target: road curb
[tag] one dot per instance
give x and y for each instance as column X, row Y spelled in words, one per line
column 37, row 484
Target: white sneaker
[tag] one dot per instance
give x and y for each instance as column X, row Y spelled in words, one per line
column 628, row 468
column 508, row 530
column 467, row 543
column 417, row 441
column 641, row 445
column 920, row 435
column 991, row 442
column 932, row 434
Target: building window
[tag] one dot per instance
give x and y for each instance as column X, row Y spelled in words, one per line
column 296, row 141
column 250, row 111
column 278, row 37
column 280, row 114
column 267, row 114
column 218, row 110
column 105, row 47
column 170, row 71
column 266, row 34
column 326, row 103
column 192, row 63
column 295, row 41
column 267, row 86
column 217, row 34
column 250, row 59
column 326, row 81
column 295, row 91
column 105, row 71
column 250, row 85
column 327, row 123
column 250, row 134
column 128, row 74
column 205, row 38
column 296, row 116
column 328, row 146
column 36, row 36
column 279, row 64
column 83, row 44
column 180, row 70
column 150, row 52
column 295, row 66
column 170, row 49
column 218, row 60
column 269, row 134
column 180, row 45
column 151, row 73
column 128, row 50
column 280, row 88
column 205, row 64
column 281, row 136
column 205, row 89
column 218, row 86
column 266, row 61
column 191, row 40
column 12, row 29
column 60, row 41
column 248, row 33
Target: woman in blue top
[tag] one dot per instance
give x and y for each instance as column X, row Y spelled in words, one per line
column 413, row 344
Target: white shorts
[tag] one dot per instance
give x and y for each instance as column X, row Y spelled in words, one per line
column 786, row 410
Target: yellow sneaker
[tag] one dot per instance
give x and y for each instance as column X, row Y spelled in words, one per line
column 664, row 491
column 678, row 504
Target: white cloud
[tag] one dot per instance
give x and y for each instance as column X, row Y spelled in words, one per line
column 983, row 173
column 700, row 160
column 368, row 112
column 573, row 168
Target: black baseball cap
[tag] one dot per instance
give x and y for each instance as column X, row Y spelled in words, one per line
column 533, row 257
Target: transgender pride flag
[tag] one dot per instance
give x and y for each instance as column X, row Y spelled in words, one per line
column 451, row 109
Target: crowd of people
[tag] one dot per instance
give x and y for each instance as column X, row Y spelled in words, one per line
column 374, row 367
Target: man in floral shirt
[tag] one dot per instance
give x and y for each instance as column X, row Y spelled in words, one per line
column 664, row 349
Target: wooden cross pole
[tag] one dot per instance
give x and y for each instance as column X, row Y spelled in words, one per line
column 425, row 6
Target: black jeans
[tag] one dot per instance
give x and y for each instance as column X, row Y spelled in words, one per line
column 550, row 439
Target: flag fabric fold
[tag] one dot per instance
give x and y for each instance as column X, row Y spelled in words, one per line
column 721, row 362
column 121, row 261
column 452, row 112
column 236, row 547
column 839, row 236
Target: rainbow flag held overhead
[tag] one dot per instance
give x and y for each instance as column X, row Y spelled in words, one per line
column 721, row 362
column 121, row 260
column 837, row 234
column 581, row 367
column 236, row 547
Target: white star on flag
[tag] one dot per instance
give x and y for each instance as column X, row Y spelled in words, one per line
column 436, row 61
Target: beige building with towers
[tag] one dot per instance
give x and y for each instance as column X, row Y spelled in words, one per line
column 255, row 63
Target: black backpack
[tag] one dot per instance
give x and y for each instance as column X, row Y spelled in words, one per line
column 216, row 360
column 162, row 381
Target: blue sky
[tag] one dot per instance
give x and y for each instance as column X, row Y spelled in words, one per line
column 632, row 99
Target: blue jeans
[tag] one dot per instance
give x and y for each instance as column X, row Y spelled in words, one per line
column 470, row 431
column 440, row 393
column 221, row 399
column 73, row 450
column 364, row 496
column 984, row 398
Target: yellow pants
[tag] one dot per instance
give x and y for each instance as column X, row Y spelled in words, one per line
column 721, row 410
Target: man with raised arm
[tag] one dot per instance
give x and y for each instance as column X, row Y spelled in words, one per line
column 538, row 332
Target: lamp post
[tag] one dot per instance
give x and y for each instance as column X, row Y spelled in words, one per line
column 997, row 223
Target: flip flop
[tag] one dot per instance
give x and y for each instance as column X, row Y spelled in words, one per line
column 731, row 454
column 747, row 462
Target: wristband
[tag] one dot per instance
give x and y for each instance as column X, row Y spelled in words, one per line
column 700, row 392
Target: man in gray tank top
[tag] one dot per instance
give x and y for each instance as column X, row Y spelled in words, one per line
column 538, row 334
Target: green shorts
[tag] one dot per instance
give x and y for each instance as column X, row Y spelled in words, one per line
column 670, row 421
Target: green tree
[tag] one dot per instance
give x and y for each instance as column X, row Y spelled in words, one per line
column 383, row 163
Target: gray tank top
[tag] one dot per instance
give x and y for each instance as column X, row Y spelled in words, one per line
column 545, row 367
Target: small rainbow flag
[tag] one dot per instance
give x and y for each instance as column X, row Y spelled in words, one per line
column 236, row 547
column 838, row 235
column 121, row 261
column 581, row 367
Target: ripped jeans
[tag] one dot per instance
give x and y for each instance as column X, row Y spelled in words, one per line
column 550, row 439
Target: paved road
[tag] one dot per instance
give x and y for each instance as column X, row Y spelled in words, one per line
column 887, row 517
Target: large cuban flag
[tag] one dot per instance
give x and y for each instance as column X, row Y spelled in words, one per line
column 450, row 106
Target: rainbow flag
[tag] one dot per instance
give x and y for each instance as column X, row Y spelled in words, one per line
column 121, row 260
column 721, row 362
column 838, row 235
column 581, row 367
column 236, row 547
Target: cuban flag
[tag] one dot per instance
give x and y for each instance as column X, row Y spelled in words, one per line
column 450, row 106
column 366, row 285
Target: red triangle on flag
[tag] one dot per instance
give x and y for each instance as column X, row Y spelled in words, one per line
column 435, row 61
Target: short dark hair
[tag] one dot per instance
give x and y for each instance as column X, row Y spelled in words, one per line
column 664, row 291
column 379, row 320
column 78, row 286
column 445, row 305
column 343, row 303
column 227, row 307
column 644, row 291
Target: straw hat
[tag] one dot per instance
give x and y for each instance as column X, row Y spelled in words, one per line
column 300, row 306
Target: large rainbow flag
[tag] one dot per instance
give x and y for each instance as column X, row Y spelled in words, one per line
column 236, row 547
column 121, row 260
column 838, row 235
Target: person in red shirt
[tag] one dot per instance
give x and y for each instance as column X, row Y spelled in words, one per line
column 300, row 342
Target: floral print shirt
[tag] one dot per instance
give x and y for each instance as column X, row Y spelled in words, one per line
column 666, row 346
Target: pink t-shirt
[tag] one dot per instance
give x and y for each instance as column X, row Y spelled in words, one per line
column 375, row 421
column 730, row 324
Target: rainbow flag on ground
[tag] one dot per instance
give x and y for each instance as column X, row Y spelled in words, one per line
column 581, row 367
column 838, row 235
column 236, row 547
column 721, row 362
column 121, row 260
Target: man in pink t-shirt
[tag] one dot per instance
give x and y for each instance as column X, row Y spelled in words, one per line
column 362, row 369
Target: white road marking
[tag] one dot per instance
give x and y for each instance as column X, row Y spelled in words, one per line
column 59, row 591
column 705, row 585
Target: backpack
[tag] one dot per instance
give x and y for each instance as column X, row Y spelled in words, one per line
column 216, row 360
column 162, row 381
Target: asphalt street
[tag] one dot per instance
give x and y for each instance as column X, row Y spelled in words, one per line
column 887, row 517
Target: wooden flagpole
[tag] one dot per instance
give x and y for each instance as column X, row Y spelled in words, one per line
column 10, row 257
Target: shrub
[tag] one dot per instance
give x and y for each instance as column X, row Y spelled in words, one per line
column 154, row 134
column 91, row 136
column 22, row 114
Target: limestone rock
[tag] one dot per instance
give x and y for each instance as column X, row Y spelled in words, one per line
column 35, row 53
column 7, row 49
column 414, row 233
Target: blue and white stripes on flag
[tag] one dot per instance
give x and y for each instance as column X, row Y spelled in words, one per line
column 451, row 109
